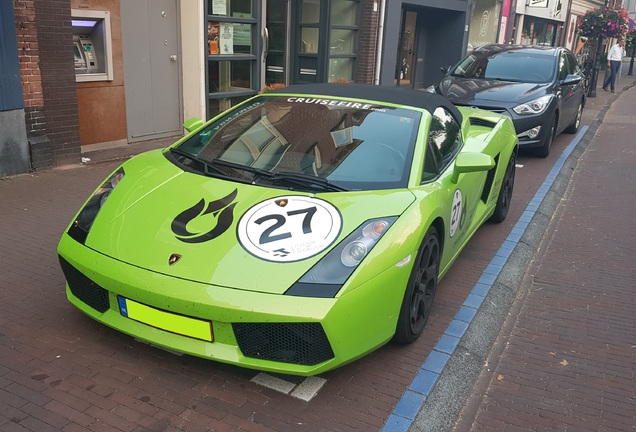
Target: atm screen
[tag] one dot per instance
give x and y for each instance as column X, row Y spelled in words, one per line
column 80, row 62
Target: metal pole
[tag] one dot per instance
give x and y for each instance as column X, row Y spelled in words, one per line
column 596, row 69
column 597, row 65
column 631, row 62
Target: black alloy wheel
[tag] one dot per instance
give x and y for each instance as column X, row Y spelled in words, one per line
column 574, row 127
column 505, row 193
column 420, row 292
column 544, row 150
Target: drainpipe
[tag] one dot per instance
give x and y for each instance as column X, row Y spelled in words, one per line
column 378, row 60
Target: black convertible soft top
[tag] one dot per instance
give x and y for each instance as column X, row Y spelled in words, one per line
column 395, row 95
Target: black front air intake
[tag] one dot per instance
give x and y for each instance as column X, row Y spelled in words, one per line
column 297, row 343
column 85, row 289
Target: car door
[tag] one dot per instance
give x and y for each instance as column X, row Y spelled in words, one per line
column 570, row 94
column 458, row 199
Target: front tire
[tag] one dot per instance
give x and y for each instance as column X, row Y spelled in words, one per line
column 576, row 124
column 420, row 292
column 544, row 150
column 505, row 193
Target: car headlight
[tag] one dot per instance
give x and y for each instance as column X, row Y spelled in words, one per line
column 327, row 277
column 533, row 107
column 84, row 221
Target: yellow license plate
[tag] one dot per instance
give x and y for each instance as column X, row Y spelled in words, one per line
column 174, row 323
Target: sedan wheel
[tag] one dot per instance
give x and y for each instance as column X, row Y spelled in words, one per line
column 420, row 292
column 544, row 150
column 574, row 127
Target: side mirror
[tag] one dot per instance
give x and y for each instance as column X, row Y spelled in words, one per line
column 192, row 124
column 571, row 80
column 445, row 69
column 471, row 162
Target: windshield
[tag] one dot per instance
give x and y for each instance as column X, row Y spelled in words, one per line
column 306, row 143
column 515, row 66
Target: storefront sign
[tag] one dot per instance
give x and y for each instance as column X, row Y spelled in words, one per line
column 538, row 3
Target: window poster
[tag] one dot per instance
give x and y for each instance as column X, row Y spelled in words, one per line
column 226, row 39
column 213, row 38
column 219, row 7
column 242, row 32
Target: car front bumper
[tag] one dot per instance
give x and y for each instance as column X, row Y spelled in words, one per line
column 263, row 331
column 525, row 123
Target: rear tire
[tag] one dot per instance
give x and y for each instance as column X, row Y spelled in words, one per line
column 420, row 291
column 505, row 193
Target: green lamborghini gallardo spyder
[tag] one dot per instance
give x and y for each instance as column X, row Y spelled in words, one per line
column 294, row 233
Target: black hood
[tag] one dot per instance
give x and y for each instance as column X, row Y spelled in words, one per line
column 484, row 92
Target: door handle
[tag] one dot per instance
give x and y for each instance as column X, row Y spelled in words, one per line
column 173, row 57
column 265, row 42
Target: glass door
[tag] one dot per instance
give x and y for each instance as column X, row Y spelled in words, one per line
column 276, row 41
column 310, row 42
column 232, row 53
column 406, row 50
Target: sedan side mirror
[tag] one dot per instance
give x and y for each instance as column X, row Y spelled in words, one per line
column 571, row 80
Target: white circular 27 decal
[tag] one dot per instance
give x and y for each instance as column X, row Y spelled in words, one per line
column 290, row 228
column 456, row 212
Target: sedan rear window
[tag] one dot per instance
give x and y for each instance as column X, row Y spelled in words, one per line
column 352, row 145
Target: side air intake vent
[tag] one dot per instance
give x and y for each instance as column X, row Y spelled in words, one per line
column 490, row 178
column 474, row 121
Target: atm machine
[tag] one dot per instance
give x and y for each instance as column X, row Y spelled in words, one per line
column 85, row 58
column 92, row 45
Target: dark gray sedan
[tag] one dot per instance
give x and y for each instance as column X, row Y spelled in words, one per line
column 540, row 88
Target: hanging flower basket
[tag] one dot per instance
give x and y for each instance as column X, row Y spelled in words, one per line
column 604, row 22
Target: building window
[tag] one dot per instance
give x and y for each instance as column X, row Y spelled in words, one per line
column 343, row 32
column 232, row 57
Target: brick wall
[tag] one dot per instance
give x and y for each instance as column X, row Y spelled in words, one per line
column 367, row 41
column 53, row 41
column 28, row 53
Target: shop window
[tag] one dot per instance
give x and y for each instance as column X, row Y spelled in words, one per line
column 344, row 12
column 340, row 69
column 217, row 106
column 231, row 49
column 229, row 76
column 342, row 41
column 343, row 31
column 310, row 11
column 229, row 38
column 484, row 23
column 233, row 8
column 309, row 40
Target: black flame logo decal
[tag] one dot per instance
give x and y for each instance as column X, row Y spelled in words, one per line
column 222, row 209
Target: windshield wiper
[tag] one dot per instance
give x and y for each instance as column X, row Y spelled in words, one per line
column 503, row 79
column 308, row 180
column 247, row 168
column 208, row 167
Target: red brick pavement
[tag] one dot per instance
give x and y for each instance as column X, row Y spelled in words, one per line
column 566, row 358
